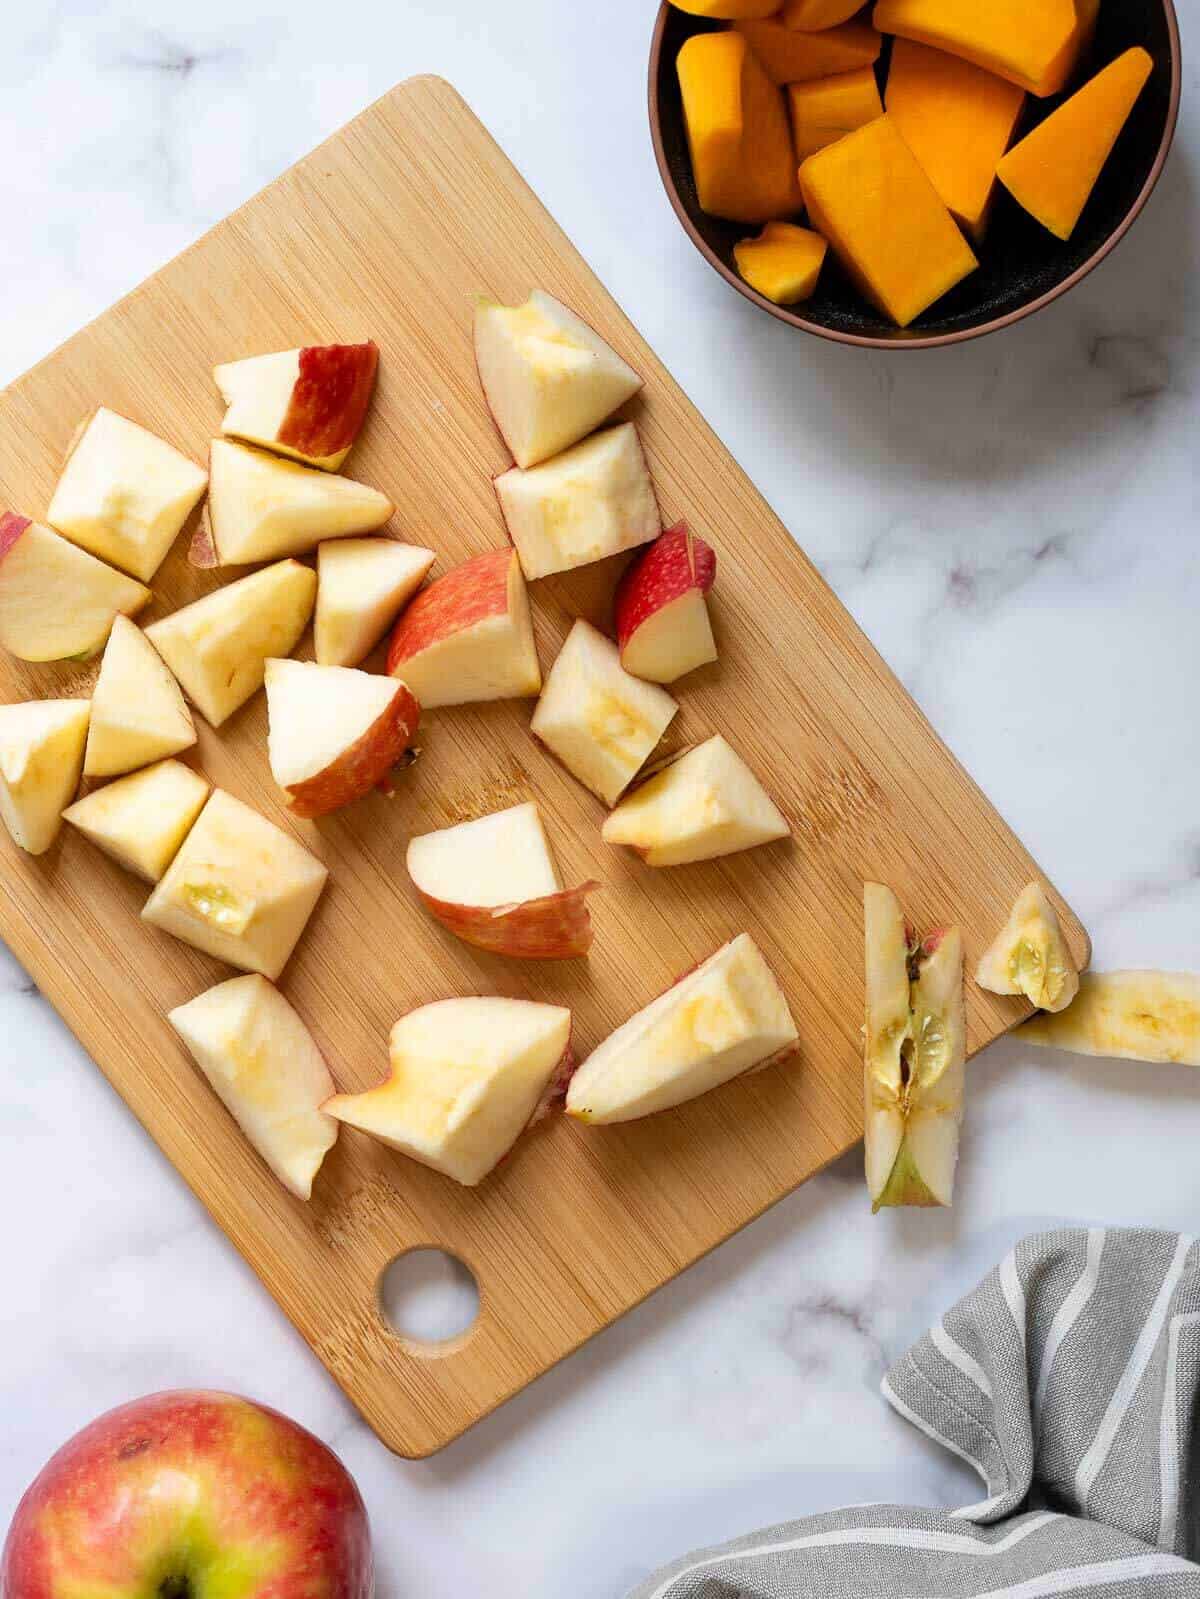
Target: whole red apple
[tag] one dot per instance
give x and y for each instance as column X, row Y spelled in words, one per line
column 190, row 1496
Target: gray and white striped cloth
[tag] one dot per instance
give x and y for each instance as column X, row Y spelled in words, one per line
column 1069, row 1380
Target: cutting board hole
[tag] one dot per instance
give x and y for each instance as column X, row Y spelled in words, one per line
column 429, row 1297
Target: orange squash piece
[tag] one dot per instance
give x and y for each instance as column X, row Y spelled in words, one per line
column 884, row 220
column 810, row 16
column 1054, row 169
column 829, row 108
column 783, row 263
column 738, row 131
column 729, row 10
column 793, row 56
column 958, row 120
column 1034, row 43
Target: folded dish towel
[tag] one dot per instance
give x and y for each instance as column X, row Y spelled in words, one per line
column 1069, row 1379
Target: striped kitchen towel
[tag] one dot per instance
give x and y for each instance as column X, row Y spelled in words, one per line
column 1069, row 1380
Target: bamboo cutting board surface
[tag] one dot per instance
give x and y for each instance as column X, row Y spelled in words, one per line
column 388, row 230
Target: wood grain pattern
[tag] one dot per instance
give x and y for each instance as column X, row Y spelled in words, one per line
column 389, row 230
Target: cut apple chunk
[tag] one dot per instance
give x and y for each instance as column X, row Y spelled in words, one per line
column 1145, row 1016
column 335, row 732
column 261, row 507
column 548, row 377
column 139, row 714
column 240, row 888
column 602, row 723
column 727, row 1017
column 265, row 1067
column 41, row 758
column 308, row 404
column 467, row 1077
column 57, row 602
column 915, row 1051
column 1030, row 956
column 706, row 804
column 142, row 820
column 493, row 883
column 469, row 636
column 592, row 501
column 363, row 585
column 124, row 494
column 663, row 630
column 218, row 646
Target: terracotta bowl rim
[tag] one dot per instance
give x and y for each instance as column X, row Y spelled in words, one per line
column 917, row 341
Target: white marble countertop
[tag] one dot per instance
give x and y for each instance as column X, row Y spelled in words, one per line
column 1012, row 521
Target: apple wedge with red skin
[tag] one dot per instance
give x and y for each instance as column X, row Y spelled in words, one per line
column 309, row 404
column 334, row 732
column 468, row 637
column 663, row 628
column 178, row 1494
column 493, row 883
column 556, row 927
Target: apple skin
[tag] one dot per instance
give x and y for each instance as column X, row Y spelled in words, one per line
column 556, row 927
column 202, row 551
column 677, row 561
column 330, row 399
column 365, row 764
column 191, row 1493
column 11, row 528
column 467, row 595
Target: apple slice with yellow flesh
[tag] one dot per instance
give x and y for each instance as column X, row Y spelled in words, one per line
column 362, row 586
column 1145, row 1016
column 265, row 1067
column 57, row 602
column 139, row 714
column 727, row 1017
column 41, row 758
column 663, row 629
column 1030, row 956
column 124, row 494
column 467, row 1077
column 240, row 888
column 706, row 804
column 142, row 820
column 592, row 501
column 261, row 507
column 915, row 1054
column 493, row 883
column 218, row 646
column 468, row 637
column 334, row 732
column 308, row 404
column 601, row 723
column 548, row 377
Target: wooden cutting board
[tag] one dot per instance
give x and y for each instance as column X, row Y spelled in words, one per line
column 389, row 229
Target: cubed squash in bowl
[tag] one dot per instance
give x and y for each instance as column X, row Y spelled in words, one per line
column 738, row 132
column 869, row 197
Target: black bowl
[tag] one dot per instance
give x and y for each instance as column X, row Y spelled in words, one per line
column 1022, row 266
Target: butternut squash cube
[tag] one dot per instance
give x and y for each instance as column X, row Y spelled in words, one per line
column 1034, row 43
column 882, row 217
column 727, row 9
column 958, row 120
column 829, row 108
column 793, row 56
column 738, row 132
column 783, row 263
column 1054, row 169
column 810, row 16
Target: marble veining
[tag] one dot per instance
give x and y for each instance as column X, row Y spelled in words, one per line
column 1013, row 522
